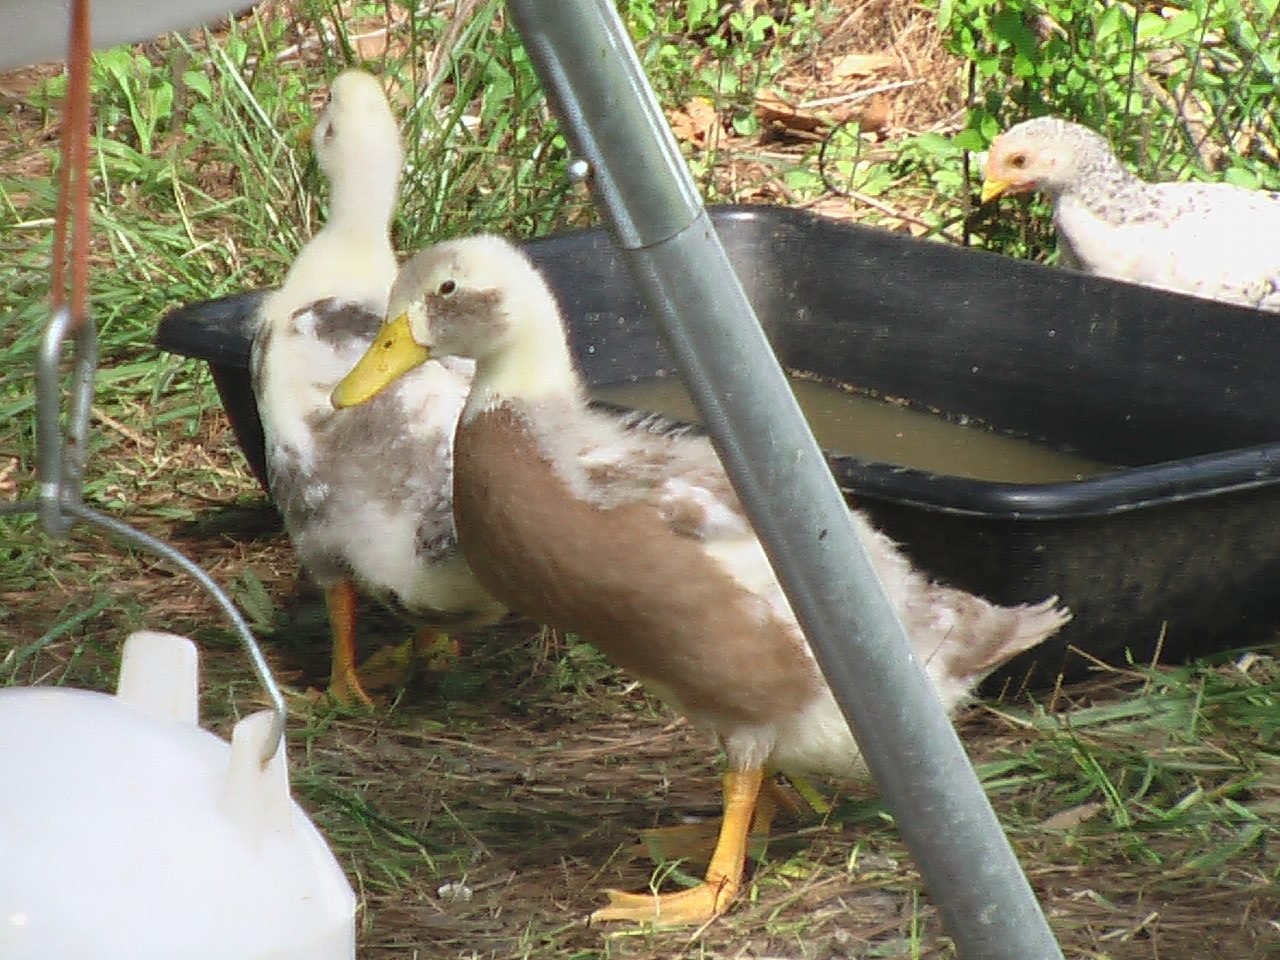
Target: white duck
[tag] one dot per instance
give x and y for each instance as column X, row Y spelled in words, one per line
column 1196, row 238
column 629, row 534
column 365, row 494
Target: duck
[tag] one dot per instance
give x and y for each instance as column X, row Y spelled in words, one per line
column 366, row 495
column 1193, row 238
column 626, row 531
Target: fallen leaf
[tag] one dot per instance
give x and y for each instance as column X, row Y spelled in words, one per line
column 780, row 116
column 861, row 65
column 371, row 46
column 1045, row 27
column 1072, row 816
column 9, row 485
column 875, row 115
column 697, row 122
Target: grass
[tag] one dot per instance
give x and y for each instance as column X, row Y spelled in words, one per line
column 479, row 816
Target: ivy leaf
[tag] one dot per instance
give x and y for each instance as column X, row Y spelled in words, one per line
column 1112, row 21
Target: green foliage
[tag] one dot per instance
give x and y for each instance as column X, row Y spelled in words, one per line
column 717, row 49
column 483, row 149
column 1142, row 763
column 134, row 90
column 1117, row 69
column 1188, row 91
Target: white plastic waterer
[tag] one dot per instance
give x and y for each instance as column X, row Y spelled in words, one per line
column 127, row 831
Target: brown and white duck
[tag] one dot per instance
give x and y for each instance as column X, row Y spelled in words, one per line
column 628, row 533
column 365, row 494
column 1188, row 237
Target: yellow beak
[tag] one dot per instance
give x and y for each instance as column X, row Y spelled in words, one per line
column 394, row 352
column 994, row 188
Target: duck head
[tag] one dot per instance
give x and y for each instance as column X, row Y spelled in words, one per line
column 478, row 297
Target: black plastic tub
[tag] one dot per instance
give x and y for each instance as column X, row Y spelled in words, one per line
column 1179, row 551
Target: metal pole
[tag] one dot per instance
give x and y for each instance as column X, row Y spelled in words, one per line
column 590, row 72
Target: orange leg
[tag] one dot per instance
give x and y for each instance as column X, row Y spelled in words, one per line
column 697, row 841
column 344, row 684
column 712, row 897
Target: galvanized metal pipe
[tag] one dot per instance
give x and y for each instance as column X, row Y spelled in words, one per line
column 590, row 71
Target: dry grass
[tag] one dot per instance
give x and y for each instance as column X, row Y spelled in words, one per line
column 879, row 65
column 524, row 777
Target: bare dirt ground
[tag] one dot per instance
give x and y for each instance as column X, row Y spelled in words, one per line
column 479, row 815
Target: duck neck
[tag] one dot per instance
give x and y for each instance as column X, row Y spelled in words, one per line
column 350, row 257
column 364, row 208
column 534, row 365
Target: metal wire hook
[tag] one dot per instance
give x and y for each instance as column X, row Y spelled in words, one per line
column 61, row 459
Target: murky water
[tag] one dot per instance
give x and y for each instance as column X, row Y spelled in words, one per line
column 886, row 432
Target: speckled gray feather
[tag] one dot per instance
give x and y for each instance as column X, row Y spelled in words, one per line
column 372, row 481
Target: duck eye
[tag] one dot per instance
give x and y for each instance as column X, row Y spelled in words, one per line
column 447, row 288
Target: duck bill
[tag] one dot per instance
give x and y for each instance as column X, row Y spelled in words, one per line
column 393, row 353
column 991, row 189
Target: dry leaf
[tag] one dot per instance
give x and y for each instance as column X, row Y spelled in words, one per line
column 861, row 65
column 8, row 483
column 1045, row 27
column 696, row 122
column 873, row 117
column 1072, row 816
column 371, row 46
column 780, row 116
